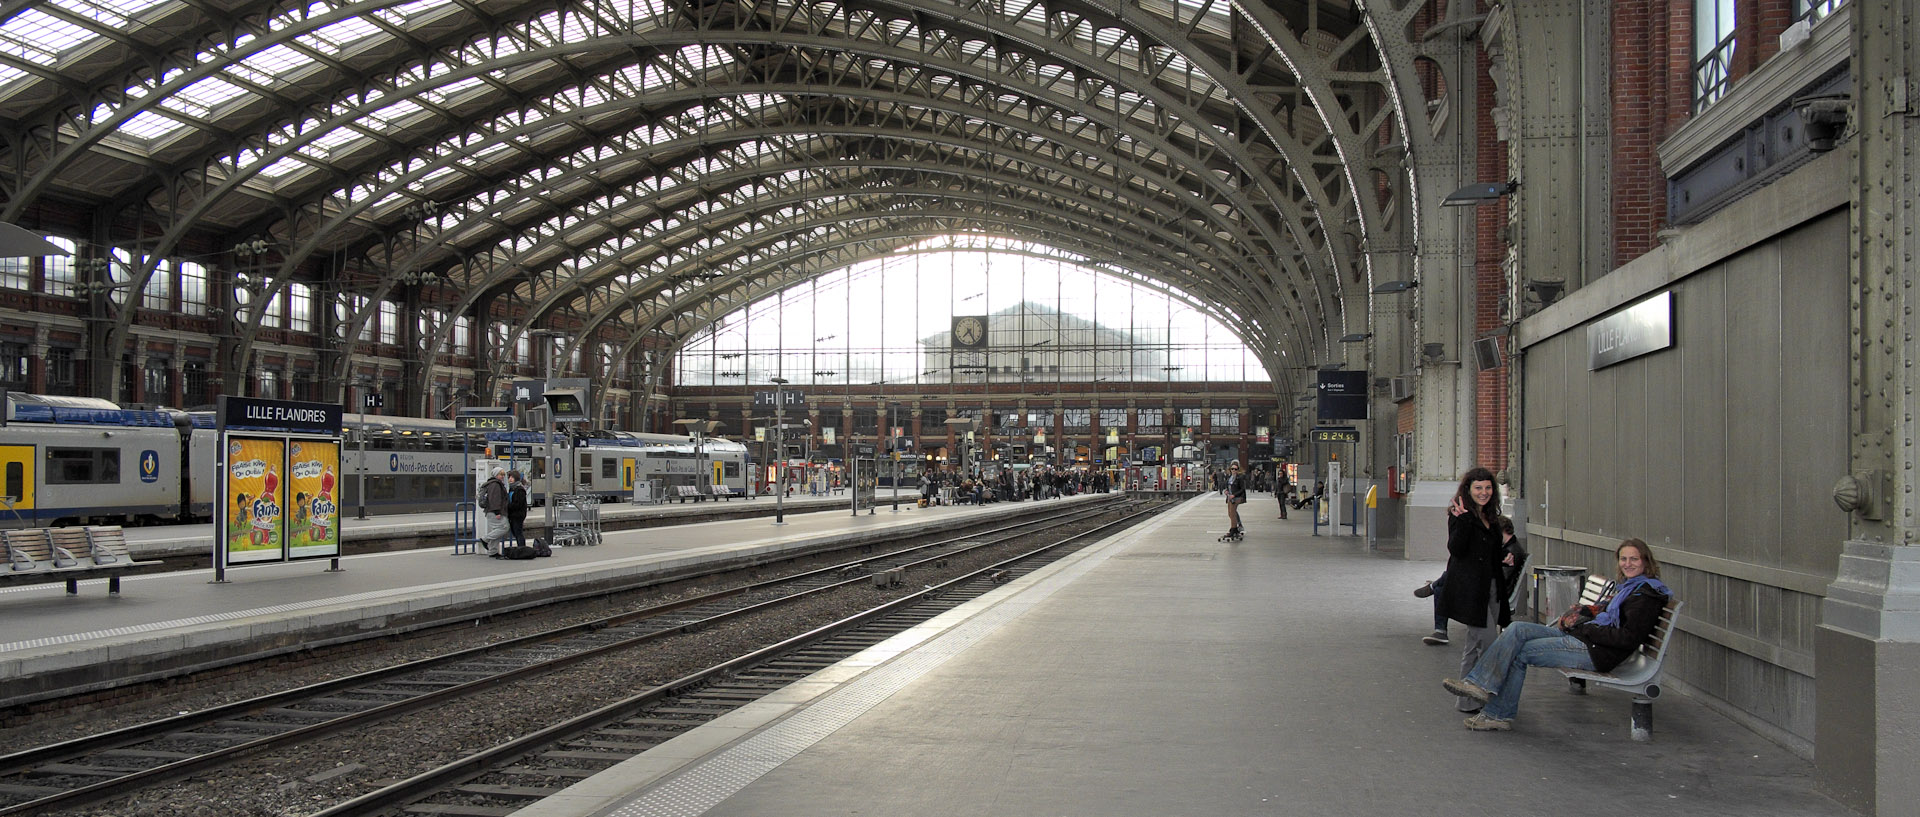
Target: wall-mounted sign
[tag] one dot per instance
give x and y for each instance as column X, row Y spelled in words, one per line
column 1640, row 329
column 792, row 397
column 1343, row 395
column 282, row 415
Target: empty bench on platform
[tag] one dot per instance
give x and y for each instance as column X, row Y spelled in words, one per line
column 1639, row 675
column 686, row 492
column 722, row 491
column 69, row 554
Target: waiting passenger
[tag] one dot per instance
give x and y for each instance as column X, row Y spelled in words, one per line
column 1590, row 638
column 1477, row 591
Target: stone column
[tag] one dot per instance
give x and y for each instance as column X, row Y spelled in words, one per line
column 1867, row 647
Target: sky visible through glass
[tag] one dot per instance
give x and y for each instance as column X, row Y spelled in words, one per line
column 1052, row 318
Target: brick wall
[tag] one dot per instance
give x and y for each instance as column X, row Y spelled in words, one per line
column 1490, row 281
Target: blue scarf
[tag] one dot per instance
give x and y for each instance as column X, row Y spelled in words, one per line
column 1610, row 617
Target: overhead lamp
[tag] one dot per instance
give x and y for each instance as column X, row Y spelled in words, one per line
column 1356, row 337
column 19, row 242
column 1392, row 287
column 1479, row 193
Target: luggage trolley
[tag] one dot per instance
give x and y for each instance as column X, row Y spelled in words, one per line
column 576, row 520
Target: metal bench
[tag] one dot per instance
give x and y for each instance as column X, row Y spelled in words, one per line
column 722, row 491
column 1639, row 675
column 686, row 492
column 69, row 554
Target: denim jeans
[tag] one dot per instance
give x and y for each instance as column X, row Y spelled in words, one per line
column 1439, row 618
column 1503, row 669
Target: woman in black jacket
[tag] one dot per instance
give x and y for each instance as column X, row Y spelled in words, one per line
column 1596, row 638
column 1477, row 586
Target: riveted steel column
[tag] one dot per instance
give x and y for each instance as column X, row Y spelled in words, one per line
column 1867, row 647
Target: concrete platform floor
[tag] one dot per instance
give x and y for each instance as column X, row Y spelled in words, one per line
column 1165, row 673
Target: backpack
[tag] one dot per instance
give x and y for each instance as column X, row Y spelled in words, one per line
column 541, row 548
column 517, row 552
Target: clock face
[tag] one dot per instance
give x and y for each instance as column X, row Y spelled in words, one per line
column 969, row 331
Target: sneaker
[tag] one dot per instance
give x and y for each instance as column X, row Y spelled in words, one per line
column 1482, row 723
column 1437, row 638
column 1466, row 689
column 1423, row 591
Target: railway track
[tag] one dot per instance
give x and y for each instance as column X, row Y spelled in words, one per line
column 75, row 773
column 504, row 778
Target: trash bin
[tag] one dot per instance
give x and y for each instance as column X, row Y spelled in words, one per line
column 1555, row 588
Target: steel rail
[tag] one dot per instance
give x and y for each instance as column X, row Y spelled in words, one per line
column 455, row 772
column 26, row 761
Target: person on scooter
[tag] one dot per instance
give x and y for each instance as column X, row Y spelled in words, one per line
column 1235, row 490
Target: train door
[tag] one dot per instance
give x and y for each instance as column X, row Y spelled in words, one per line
column 16, row 482
column 628, row 466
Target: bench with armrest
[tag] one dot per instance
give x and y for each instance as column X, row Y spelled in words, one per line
column 724, row 491
column 69, row 554
column 686, row 492
column 1639, row 675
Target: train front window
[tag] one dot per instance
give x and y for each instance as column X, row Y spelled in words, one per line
column 83, row 466
column 732, row 469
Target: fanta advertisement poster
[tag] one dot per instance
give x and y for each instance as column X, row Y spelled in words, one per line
column 256, row 490
column 313, row 499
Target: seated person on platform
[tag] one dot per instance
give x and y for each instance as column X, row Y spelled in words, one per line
column 1592, row 638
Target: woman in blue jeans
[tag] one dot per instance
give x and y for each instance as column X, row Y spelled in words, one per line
column 1615, row 630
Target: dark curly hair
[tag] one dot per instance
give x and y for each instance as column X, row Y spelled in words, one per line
column 1465, row 494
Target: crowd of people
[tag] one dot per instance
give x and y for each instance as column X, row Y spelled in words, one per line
column 1009, row 485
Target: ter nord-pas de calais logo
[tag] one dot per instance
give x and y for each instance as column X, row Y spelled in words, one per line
column 393, row 462
column 149, row 466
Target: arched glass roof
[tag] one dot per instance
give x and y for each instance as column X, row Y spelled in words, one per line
column 626, row 170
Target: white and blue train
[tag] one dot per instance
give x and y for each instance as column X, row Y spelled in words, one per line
column 66, row 460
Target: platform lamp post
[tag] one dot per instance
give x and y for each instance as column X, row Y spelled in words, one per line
column 364, row 382
column 893, row 447
column 780, row 445
column 700, row 429
column 553, row 352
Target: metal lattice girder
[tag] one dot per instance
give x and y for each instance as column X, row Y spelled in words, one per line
column 1208, row 128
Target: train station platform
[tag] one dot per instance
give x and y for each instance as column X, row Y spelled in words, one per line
column 163, row 623
column 1163, row 673
column 398, row 531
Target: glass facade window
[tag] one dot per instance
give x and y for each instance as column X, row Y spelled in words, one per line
column 463, row 335
column 196, row 386
column 158, row 292
column 1150, row 420
column 1226, row 420
column 1815, row 9
column 13, row 366
column 157, row 382
column 389, row 322
column 1113, row 418
column 273, row 315
column 61, row 377
column 1077, row 419
column 1047, row 317
column 1713, row 46
column 61, row 273
column 1190, row 417
column 16, row 273
column 193, row 289
column 299, row 307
